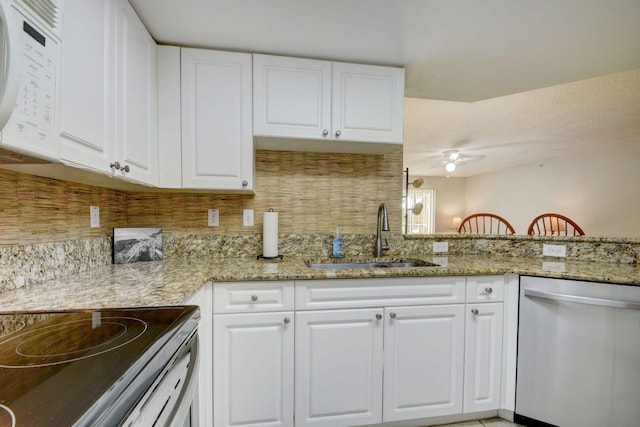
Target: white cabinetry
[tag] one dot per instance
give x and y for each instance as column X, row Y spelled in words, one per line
column 217, row 144
column 340, row 353
column 202, row 410
column 326, row 106
column 483, row 349
column 253, row 333
column 423, row 361
column 108, row 93
column 339, row 367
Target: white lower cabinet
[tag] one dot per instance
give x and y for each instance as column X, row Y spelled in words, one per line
column 253, row 339
column 364, row 351
column 253, row 369
column 423, row 360
column 483, row 357
column 483, row 343
column 339, row 367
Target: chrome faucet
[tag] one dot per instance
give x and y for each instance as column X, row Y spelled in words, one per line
column 383, row 225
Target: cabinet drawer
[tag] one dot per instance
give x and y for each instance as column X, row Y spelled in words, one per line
column 485, row 288
column 247, row 297
column 356, row 293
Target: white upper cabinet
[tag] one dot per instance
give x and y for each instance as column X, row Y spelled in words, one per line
column 313, row 105
column 87, row 104
column 137, row 119
column 217, row 144
column 368, row 103
column 108, row 93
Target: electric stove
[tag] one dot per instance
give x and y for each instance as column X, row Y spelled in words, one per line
column 86, row 367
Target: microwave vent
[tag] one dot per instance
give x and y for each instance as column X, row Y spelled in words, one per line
column 47, row 10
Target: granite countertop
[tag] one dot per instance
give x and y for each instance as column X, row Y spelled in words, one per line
column 173, row 281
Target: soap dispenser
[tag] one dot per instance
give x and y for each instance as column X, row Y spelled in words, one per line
column 337, row 245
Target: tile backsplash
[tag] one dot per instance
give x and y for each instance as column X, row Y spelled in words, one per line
column 313, row 192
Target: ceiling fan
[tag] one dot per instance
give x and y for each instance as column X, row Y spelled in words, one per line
column 452, row 158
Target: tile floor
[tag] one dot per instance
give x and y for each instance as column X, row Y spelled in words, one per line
column 493, row 422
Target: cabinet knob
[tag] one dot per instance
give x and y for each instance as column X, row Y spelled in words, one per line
column 254, row 298
column 488, row 290
column 115, row 165
column 325, row 132
column 125, row 169
column 338, row 133
column 392, row 315
column 245, row 183
column 287, row 320
column 474, row 311
column 379, row 316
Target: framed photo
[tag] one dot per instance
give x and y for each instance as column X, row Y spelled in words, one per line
column 136, row 244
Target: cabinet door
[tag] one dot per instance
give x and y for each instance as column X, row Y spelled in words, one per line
column 217, row 143
column 253, row 369
column 338, row 368
column 423, row 366
column 137, row 119
column 368, row 103
column 292, row 97
column 87, row 101
column 483, row 356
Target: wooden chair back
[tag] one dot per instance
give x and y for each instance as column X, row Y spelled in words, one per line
column 485, row 223
column 551, row 224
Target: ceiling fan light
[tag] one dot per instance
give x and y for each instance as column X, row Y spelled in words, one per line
column 450, row 167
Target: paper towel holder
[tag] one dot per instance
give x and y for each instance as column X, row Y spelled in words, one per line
column 270, row 257
column 262, row 256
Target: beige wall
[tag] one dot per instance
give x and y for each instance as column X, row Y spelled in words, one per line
column 599, row 189
column 313, row 192
column 450, row 202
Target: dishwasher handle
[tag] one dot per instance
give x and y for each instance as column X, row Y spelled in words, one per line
column 631, row 305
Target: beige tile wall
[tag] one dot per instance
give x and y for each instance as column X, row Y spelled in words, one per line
column 313, row 192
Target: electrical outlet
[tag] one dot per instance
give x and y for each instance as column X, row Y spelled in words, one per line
column 554, row 250
column 247, row 217
column 440, row 247
column 213, row 218
column 94, row 211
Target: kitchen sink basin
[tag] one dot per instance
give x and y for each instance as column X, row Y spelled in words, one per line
column 341, row 265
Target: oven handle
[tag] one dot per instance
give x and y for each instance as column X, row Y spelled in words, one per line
column 630, row 305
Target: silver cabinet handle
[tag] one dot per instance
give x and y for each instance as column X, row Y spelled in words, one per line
column 338, row 133
column 287, row 320
column 474, row 311
column 488, row 290
column 325, row 132
column 631, row 305
column 115, row 165
column 254, row 298
column 245, row 183
column 392, row 315
column 126, row 169
column 379, row 316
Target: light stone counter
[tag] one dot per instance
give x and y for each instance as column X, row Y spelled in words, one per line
column 174, row 281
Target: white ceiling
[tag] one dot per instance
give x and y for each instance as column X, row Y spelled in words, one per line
column 473, row 54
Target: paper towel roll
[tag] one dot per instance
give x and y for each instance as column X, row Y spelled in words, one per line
column 270, row 234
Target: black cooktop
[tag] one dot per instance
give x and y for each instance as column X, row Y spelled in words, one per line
column 56, row 366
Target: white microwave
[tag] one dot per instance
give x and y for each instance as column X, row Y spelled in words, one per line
column 29, row 78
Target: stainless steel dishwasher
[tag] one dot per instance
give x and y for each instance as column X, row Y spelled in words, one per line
column 578, row 354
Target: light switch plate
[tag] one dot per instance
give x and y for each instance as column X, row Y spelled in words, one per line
column 95, row 216
column 213, row 218
column 554, row 250
column 440, row 247
column 247, row 217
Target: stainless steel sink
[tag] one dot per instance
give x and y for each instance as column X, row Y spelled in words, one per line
column 341, row 265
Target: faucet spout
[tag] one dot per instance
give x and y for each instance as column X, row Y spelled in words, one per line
column 382, row 225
